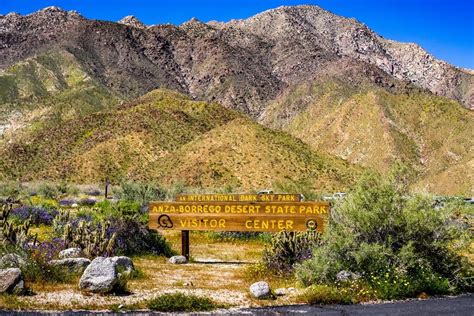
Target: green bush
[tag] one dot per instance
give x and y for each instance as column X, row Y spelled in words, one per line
column 140, row 192
column 11, row 189
column 386, row 235
column 178, row 302
column 325, row 294
column 48, row 190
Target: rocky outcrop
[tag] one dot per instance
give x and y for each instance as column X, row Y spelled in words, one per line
column 243, row 64
column 132, row 21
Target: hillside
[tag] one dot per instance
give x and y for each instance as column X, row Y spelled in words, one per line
column 374, row 128
column 49, row 88
column 164, row 136
column 334, row 85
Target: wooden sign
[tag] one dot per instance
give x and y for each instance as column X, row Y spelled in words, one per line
column 238, row 198
column 239, row 216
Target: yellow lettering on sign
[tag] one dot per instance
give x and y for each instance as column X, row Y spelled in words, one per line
column 281, row 224
column 280, row 209
column 205, row 222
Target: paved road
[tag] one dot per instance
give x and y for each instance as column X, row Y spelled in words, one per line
column 459, row 306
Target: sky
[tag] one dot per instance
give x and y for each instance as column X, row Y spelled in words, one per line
column 445, row 28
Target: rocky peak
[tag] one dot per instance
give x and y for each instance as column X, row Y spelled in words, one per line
column 132, row 21
column 52, row 9
column 196, row 28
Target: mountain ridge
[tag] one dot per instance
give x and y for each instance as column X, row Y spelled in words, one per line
column 308, row 29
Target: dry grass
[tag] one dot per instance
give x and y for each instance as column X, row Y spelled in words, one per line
column 216, row 272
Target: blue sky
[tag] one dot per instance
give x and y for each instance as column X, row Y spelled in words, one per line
column 443, row 27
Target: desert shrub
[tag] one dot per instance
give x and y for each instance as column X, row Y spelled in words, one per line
column 179, row 302
column 87, row 201
column 390, row 237
column 37, row 215
column 133, row 237
column 39, row 256
column 43, row 202
column 34, row 262
column 140, row 192
column 288, row 248
column 48, row 190
column 325, row 294
column 64, row 188
column 11, row 189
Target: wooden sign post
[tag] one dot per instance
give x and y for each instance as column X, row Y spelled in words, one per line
column 237, row 212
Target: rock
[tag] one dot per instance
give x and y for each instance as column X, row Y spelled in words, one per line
column 124, row 264
column 12, row 260
column 104, row 275
column 70, row 253
column 281, row 292
column 260, row 290
column 178, row 260
column 344, row 276
column 11, row 281
column 100, row 276
column 132, row 21
column 72, row 264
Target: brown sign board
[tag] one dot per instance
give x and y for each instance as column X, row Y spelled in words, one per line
column 238, row 216
column 238, row 198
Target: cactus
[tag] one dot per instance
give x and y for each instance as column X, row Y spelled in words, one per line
column 16, row 234
column 92, row 239
column 288, row 248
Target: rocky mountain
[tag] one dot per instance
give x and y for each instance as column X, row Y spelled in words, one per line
column 242, row 64
column 299, row 69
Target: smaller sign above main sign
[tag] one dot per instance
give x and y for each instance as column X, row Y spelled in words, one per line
column 238, row 198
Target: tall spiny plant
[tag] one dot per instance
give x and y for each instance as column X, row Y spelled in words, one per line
column 15, row 234
column 288, row 248
column 90, row 238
